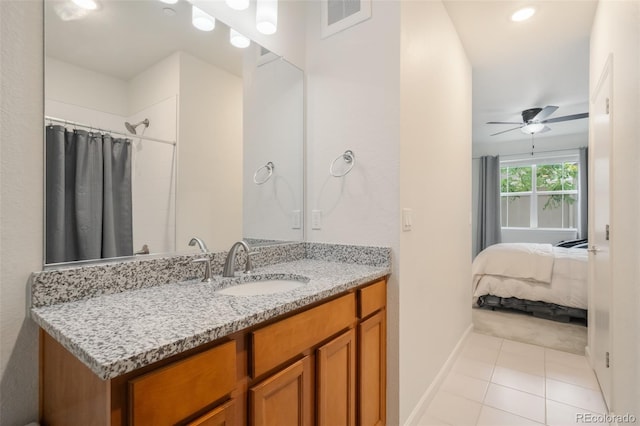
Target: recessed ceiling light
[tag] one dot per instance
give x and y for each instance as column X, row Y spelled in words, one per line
column 523, row 14
column 169, row 1
column 86, row 4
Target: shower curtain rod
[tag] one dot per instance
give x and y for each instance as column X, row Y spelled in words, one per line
column 97, row 129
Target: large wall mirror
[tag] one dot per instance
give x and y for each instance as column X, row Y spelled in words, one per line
column 157, row 132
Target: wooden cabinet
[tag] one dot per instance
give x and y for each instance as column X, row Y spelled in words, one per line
column 336, row 381
column 323, row 365
column 372, row 367
column 285, row 398
column 372, row 354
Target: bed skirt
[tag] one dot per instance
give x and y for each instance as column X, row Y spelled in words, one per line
column 544, row 310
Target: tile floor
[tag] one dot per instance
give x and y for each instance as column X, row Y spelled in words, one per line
column 498, row 382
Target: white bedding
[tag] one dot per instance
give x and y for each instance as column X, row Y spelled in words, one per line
column 537, row 272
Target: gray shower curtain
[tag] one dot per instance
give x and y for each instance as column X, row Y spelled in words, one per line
column 88, row 196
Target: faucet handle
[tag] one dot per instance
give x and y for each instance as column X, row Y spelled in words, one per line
column 207, row 267
column 248, row 266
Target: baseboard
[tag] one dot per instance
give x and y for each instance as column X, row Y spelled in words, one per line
column 428, row 395
column 587, row 355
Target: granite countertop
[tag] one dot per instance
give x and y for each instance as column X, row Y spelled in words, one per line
column 117, row 333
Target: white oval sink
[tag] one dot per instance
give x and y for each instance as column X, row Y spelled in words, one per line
column 256, row 288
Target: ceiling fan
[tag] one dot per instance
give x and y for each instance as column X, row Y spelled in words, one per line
column 534, row 120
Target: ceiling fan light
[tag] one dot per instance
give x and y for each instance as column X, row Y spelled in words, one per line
column 523, row 14
column 532, row 128
column 86, row 4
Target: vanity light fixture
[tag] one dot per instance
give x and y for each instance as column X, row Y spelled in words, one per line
column 523, row 14
column 202, row 20
column 238, row 40
column 237, row 4
column 86, row 4
column 267, row 16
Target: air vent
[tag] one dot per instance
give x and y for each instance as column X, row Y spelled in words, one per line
column 337, row 10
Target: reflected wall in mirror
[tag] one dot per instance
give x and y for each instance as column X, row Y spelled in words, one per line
column 229, row 111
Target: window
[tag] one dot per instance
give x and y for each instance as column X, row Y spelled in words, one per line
column 543, row 194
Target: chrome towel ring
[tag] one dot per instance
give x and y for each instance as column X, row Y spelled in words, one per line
column 269, row 167
column 349, row 157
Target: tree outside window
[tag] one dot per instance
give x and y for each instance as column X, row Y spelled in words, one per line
column 540, row 195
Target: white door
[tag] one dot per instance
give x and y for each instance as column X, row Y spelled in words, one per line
column 600, row 276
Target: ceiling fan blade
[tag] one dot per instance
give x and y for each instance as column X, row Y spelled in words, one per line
column 505, row 131
column 566, row 118
column 504, row 122
column 546, row 111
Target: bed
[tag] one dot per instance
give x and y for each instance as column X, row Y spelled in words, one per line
column 548, row 281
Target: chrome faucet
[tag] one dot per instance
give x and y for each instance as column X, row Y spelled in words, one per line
column 207, row 268
column 230, row 263
column 201, row 244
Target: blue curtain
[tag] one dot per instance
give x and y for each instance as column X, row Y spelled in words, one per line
column 88, row 196
column 489, row 231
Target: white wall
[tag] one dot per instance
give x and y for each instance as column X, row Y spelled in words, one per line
column 273, row 132
column 353, row 102
column 21, row 196
column 391, row 103
column 78, row 86
column 616, row 31
column 153, row 94
column 435, row 183
column 209, row 195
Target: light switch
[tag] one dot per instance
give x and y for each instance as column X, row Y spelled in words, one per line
column 406, row 220
column 296, row 219
column 316, row 219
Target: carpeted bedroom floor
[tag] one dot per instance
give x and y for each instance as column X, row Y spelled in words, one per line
column 525, row 328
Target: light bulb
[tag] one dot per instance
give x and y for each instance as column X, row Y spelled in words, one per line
column 238, row 40
column 523, row 14
column 202, row 20
column 237, row 4
column 267, row 16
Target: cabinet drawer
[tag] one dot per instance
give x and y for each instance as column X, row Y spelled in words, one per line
column 275, row 344
column 372, row 298
column 176, row 391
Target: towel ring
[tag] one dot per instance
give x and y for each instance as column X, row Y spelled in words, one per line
column 269, row 166
column 349, row 157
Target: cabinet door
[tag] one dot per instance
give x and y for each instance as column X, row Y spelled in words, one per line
column 219, row 416
column 372, row 368
column 283, row 399
column 336, row 381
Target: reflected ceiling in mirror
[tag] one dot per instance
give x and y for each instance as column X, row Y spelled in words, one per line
column 230, row 112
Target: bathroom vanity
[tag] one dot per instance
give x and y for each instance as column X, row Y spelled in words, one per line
column 182, row 353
